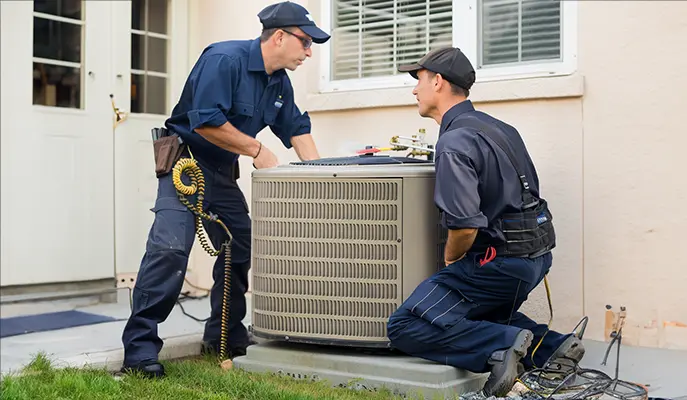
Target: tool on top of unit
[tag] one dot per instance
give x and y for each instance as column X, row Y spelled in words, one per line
column 416, row 144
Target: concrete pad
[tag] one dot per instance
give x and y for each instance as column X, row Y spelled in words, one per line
column 353, row 368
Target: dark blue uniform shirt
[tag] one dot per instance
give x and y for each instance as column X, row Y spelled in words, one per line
column 229, row 83
column 475, row 180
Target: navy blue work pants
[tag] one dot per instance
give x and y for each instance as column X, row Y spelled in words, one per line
column 163, row 267
column 463, row 313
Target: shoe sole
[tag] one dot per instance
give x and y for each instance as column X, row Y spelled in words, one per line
column 522, row 343
column 571, row 349
column 505, row 383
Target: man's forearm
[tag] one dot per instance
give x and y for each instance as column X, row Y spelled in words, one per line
column 305, row 147
column 458, row 243
column 231, row 139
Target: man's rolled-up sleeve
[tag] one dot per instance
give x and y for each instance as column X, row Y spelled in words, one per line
column 212, row 91
column 456, row 192
column 290, row 121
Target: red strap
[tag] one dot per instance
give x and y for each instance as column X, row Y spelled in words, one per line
column 489, row 256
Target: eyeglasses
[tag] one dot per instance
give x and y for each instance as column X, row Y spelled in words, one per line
column 306, row 42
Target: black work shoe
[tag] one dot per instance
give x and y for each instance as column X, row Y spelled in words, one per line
column 207, row 348
column 148, row 370
column 504, row 368
column 571, row 349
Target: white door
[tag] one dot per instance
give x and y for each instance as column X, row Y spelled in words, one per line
column 57, row 143
column 150, row 68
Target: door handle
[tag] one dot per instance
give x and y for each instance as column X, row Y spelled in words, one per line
column 120, row 115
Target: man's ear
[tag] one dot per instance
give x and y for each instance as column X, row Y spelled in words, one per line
column 441, row 82
column 438, row 82
column 278, row 38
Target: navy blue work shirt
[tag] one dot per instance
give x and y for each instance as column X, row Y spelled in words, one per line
column 475, row 180
column 229, row 83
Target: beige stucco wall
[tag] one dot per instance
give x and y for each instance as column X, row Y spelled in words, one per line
column 634, row 165
column 605, row 141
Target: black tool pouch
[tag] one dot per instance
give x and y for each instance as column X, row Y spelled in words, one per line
column 167, row 151
column 528, row 233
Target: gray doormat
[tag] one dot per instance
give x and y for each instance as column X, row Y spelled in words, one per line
column 48, row 322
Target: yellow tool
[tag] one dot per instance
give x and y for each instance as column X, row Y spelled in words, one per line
column 193, row 171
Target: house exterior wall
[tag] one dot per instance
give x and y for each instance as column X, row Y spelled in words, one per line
column 634, row 214
column 606, row 141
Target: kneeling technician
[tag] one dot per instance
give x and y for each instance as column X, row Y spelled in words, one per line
column 500, row 237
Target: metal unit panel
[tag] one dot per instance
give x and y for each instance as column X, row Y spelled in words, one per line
column 420, row 216
column 326, row 258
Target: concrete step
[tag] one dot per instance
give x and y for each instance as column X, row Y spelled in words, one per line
column 352, row 368
column 43, row 302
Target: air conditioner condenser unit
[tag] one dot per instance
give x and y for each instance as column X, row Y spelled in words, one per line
column 338, row 244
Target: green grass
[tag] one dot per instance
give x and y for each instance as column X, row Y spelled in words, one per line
column 194, row 379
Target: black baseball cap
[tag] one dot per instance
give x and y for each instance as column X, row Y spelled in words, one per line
column 284, row 14
column 450, row 62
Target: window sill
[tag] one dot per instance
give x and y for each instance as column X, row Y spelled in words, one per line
column 482, row 92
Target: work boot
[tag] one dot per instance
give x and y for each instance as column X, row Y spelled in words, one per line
column 521, row 368
column 211, row 348
column 504, row 370
column 151, row 369
column 571, row 349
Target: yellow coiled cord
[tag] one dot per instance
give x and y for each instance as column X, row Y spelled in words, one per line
column 548, row 326
column 197, row 186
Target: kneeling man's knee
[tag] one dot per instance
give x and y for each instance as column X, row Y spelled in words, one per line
column 397, row 323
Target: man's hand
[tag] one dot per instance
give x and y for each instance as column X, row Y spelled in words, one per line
column 265, row 158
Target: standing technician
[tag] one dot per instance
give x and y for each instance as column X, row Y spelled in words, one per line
column 235, row 89
column 500, row 236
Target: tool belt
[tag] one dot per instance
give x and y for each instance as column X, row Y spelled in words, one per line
column 529, row 232
column 167, row 148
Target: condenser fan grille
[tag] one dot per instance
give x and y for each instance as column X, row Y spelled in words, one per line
column 325, row 307
column 326, row 258
column 327, row 190
column 326, row 269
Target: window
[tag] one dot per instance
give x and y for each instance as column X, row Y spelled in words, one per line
column 372, row 37
column 519, row 31
column 502, row 38
column 58, row 28
column 149, row 56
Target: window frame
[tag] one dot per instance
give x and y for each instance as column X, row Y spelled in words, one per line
column 465, row 37
column 145, row 72
column 81, row 23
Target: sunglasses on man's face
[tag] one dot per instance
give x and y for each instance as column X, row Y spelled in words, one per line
column 306, row 41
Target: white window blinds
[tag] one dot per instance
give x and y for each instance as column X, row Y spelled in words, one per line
column 370, row 38
column 519, row 31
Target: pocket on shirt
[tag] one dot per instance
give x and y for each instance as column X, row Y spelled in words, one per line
column 271, row 113
column 242, row 108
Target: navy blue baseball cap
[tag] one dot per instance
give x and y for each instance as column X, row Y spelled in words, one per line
column 281, row 15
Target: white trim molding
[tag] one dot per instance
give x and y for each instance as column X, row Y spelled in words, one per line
column 465, row 36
